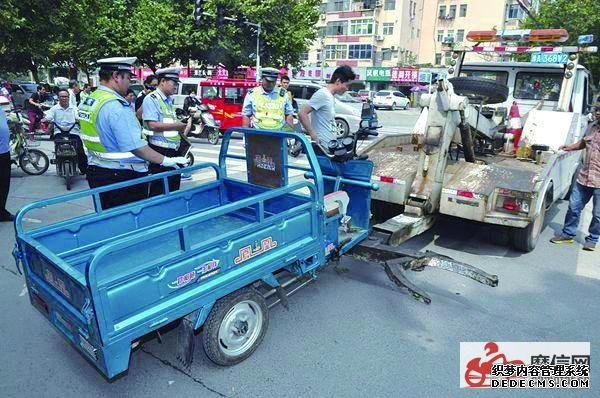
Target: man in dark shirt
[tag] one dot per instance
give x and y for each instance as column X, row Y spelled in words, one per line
column 34, row 109
column 150, row 84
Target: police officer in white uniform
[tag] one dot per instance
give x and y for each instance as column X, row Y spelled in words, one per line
column 161, row 126
column 112, row 135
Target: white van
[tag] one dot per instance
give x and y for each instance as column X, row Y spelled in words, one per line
column 186, row 84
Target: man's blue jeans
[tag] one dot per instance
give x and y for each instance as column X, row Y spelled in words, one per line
column 580, row 196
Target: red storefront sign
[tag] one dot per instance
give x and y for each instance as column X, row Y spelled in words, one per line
column 404, row 75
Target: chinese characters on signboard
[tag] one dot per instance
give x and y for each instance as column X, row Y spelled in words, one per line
column 379, row 74
column 404, row 75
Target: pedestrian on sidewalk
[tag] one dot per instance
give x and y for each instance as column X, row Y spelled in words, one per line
column 585, row 188
column 4, row 167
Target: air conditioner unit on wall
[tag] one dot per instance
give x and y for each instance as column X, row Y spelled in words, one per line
column 379, row 37
column 323, row 16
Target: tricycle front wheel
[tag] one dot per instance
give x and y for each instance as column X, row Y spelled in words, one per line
column 235, row 327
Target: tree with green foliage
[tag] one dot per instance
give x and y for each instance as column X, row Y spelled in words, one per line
column 579, row 17
column 25, row 35
column 288, row 28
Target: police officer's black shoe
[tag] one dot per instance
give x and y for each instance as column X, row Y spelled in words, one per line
column 6, row 216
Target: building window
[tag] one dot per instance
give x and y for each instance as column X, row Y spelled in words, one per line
column 418, row 33
column 389, row 5
column 447, row 57
column 336, row 52
column 440, row 36
column 338, row 5
column 386, row 55
column 450, row 34
column 388, row 28
column 463, row 10
column 452, row 12
column 442, row 13
column 360, row 51
column 337, row 28
column 460, row 35
column 515, row 12
column 438, row 58
column 362, row 26
column 304, row 56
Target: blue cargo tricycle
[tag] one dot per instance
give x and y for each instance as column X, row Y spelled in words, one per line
column 213, row 257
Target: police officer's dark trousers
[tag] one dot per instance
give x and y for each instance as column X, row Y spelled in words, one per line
column 157, row 187
column 4, row 182
column 100, row 176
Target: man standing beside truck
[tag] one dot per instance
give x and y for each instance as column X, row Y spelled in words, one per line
column 585, row 188
column 321, row 123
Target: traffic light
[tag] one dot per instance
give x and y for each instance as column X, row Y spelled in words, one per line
column 198, row 12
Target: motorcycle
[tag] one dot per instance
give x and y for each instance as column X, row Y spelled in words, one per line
column 368, row 124
column 65, row 153
column 31, row 161
column 205, row 125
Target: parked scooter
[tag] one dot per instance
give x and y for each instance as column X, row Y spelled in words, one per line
column 31, row 161
column 205, row 125
column 65, row 153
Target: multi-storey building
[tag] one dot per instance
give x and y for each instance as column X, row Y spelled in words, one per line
column 453, row 19
column 366, row 33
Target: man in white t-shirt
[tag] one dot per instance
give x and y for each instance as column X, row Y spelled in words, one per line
column 321, row 107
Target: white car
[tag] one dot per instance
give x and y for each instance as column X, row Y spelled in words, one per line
column 347, row 116
column 391, row 99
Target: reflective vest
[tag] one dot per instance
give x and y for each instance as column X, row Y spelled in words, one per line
column 166, row 139
column 270, row 113
column 88, row 113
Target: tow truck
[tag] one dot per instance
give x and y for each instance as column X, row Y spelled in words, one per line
column 210, row 258
column 511, row 189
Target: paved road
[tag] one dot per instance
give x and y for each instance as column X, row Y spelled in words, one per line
column 346, row 335
column 399, row 121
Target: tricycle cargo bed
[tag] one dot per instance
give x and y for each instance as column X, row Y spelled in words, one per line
column 76, row 241
column 109, row 278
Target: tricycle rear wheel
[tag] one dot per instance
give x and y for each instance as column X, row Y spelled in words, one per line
column 235, row 327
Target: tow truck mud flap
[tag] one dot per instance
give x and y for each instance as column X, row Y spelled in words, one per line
column 395, row 261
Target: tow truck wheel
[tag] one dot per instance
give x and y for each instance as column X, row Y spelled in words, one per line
column 235, row 327
column 525, row 239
